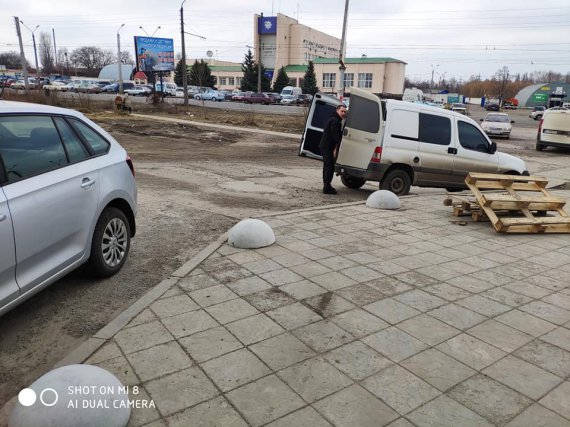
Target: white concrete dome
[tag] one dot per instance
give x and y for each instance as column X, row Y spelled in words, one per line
column 71, row 396
column 251, row 234
column 383, row 199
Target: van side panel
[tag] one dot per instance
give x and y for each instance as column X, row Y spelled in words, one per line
column 436, row 148
column 400, row 142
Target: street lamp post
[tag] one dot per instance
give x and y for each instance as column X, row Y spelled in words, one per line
column 432, row 71
column 119, row 59
column 184, row 68
column 342, row 67
column 35, row 51
column 154, row 32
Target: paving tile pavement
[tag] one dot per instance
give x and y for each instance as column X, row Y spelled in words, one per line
column 359, row 317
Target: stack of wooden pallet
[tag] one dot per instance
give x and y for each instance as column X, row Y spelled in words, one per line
column 515, row 204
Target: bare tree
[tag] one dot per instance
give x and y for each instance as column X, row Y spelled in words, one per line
column 91, row 57
column 11, row 59
column 126, row 57
column 502, row 78
column 46, row 53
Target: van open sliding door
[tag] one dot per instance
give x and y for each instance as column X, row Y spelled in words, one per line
column 322, row 107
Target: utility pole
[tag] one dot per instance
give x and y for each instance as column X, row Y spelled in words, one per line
column 35, row 51
column 54, row 47
column 119, row 59
column 22, row 55
column 259, row 54
column 342, row 67
column 184, row 68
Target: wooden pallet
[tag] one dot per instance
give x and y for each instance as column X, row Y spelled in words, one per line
column 520, row 196
column 465, row 205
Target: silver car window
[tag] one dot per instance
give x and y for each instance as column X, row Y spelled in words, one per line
column 73, row 145
column 34, row 148
column 96, row 141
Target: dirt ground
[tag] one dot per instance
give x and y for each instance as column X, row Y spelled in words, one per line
column 194, row 183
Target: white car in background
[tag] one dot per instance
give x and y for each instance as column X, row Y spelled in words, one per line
column 68, row 197
column 497, row 124
column 139, row 91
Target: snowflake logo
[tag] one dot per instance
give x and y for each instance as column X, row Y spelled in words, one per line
column 267, row 25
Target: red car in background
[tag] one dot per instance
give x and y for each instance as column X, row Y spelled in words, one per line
column 257, row 98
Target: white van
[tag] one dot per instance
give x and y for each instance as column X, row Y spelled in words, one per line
column 169, row 89
column 554, row 129
column 289, row 94
column 400, row 144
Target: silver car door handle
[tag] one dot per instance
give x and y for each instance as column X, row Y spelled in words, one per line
column 87, row 183
column 370, row 139
column 3, row 217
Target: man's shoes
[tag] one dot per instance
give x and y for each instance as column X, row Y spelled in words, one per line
column 329, row 190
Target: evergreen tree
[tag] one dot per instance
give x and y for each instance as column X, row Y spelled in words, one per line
column 281, row 81
column 250, row 72
column 201, row 75
column 178, row 76
column 310, row 80
column 249, row 69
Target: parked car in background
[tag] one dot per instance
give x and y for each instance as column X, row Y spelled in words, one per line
column 304, row 99
column 227, row 95
column 554, row 129
column 88, row 88
column 497, row 124
column 288, row 99
column 257, row 98
column 168, row 89
column 18, row 84
column 67, row 197
column 509, row 106
column 238, row 96
column 275, row 97
column 139, row 91
column 103, row 83
column 111, row 88
column 56, row 86
column 537, row 112
column 492, row 106
column 459, row 108
column 210, row 95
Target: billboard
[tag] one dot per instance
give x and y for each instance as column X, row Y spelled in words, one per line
column 154, row 54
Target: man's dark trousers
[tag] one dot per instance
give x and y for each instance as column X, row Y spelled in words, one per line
column 328, row 167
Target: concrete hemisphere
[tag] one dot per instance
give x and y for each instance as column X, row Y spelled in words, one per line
column 74, row 395
column 383, row 199
column 251, row 234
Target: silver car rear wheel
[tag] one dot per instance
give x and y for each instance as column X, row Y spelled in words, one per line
column 114, row 244
column 110, row 244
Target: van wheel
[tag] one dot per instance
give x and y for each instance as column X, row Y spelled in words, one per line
column 352, row 182
column 111, row 243
column 397, row 181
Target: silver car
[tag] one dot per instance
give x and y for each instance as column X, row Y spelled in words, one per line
column 67, row 197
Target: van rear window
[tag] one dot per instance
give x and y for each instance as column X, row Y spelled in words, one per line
column 321, row 114
column 363, row 114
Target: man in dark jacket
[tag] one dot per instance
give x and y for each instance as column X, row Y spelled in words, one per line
column 329, row 145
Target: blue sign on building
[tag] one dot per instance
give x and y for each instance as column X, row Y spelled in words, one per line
column 267, row 25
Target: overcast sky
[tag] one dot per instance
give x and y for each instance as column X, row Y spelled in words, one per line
column 454, row 38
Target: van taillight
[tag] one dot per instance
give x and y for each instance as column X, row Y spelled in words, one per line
column 376, row 156
column 540, row 126
column 130, row 164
